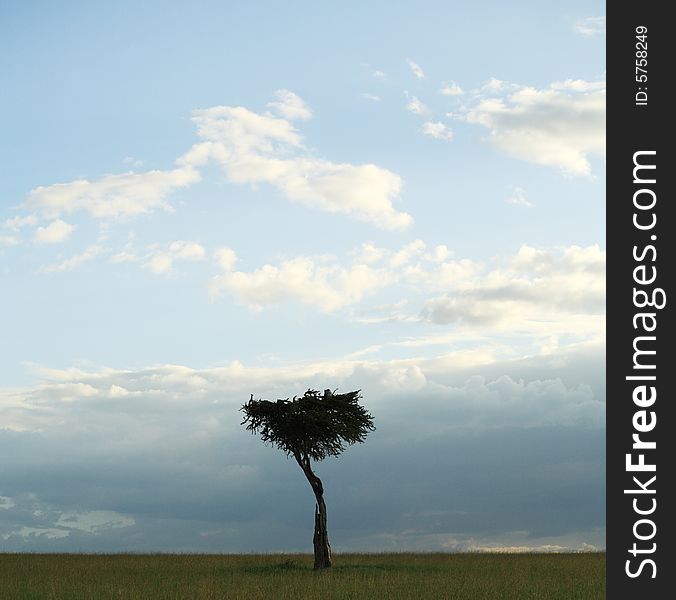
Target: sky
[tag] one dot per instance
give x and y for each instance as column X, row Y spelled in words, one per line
column 203, row 201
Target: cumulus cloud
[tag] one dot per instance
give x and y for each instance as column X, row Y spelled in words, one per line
column 494, row 85
column 559, row 126
column 372, row 97
column 226, row 258
column 111, row 196
column 437, row 130
column 416, row 69
column 444, row 275
column 536, row 292
column 258, row 148
column 407, row 253
column 369, row 253
column 65, row 394
column 534, row 286
column 251, row 148
column 328, row 284
column 590, row 26
column 290, row 106
column 56, row 232
column 535, row 299
column 426, row 268
column 326, row 287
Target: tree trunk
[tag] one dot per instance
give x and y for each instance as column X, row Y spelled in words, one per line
column 320, row 540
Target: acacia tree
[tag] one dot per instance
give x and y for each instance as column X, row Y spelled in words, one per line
column 308, row 428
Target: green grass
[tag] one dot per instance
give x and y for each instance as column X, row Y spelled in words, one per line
column 251, row 576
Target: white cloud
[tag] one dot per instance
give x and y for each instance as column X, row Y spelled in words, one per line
column 183, row 397
column 225, row 257
column 590, row 26
column 372, row 97
column 74, row 261
column 16, row 223
column 451, row 89
column 415, row 106
column 441, row 252
column 444, row 275
column 494, row 85
column 369, row 253
column 260, row 148
column 56, row 232
column 536, row 290
column 250, row 148
column 544, row 298
column 427, row 269
column 407, row 253
column 327, row 284
column 379, row 74
column 415, row 68
column 117, row 391
column 559, row 126
column 327, row 287
column 161, row 261
column 290, row 106
column 437, row 130
column 111, row 196
column 187, row 250
column 518, row 198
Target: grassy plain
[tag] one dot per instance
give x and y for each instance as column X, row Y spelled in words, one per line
column 270, row 576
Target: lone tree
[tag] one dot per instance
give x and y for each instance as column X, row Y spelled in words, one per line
column 311, row 427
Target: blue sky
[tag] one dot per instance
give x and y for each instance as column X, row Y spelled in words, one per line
column 199, row 202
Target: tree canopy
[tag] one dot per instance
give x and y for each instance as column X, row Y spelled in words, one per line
column 313, row 426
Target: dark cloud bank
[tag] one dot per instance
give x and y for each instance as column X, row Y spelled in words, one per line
column 476, row 463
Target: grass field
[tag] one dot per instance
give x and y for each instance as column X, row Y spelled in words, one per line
column 250, row 576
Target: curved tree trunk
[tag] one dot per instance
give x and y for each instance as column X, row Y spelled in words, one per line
column 320, row 539
column 321, row 536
